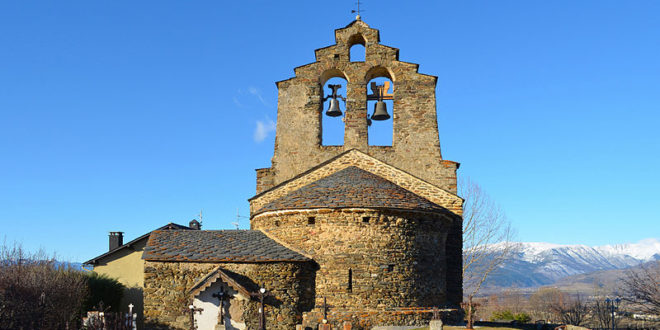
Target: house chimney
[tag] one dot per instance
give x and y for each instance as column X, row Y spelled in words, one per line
column 116, row 239
column 194, row 224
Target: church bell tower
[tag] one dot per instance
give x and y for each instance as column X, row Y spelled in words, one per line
column 383, row 223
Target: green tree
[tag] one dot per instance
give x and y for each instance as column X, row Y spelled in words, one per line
column 103, row 288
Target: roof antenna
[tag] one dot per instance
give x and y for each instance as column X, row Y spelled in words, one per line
column 200, row 218
column 357, row 11
column 238, row 218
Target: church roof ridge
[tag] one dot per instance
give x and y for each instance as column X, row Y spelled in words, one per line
column 351, row 187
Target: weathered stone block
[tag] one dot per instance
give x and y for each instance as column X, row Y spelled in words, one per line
column 435, row 325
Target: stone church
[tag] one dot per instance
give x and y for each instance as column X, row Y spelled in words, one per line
column 356, row 233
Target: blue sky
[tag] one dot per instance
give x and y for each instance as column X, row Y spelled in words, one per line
column 125, row 115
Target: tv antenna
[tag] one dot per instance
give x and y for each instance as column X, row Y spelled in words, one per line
column 238, row 219
column 358, row 11
column 200, row 218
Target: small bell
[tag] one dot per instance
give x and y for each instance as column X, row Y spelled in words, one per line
column 380, row 111
column 333, row 110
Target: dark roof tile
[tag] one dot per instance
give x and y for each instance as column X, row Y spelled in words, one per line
column 216, row 246
column 351, row 187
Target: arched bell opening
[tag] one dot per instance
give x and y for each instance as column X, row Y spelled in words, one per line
column 333, row 110
column 357, row 48
column 357, row 53
column 380, row 106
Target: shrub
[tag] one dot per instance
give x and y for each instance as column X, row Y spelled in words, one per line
column 35, row 293
column 38, row 293
column 507, row 315
column 522, row 317
column 502, row 315
column 103, row 288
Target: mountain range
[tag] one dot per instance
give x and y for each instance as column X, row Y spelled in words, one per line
column 538, row 264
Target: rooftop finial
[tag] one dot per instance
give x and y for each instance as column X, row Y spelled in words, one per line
column 357, row 17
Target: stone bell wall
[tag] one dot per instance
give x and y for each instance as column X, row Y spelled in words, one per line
column 415, row 143
column 167, row 285
column 370, row 260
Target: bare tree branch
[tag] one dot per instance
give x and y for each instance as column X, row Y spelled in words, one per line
column 642, row 287
column 487, row 236
column 487, row 240
column 572, row 311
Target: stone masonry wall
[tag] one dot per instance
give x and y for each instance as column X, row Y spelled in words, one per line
column 167, row 285
column 369, row 260
column 415, row 143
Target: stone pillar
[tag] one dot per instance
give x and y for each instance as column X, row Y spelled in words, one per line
column 355, row 131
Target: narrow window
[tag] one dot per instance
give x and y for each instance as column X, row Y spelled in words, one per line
column 366, row 219
column 277, row 223
column 358, row 53
column 311, row 220
column 349, row 287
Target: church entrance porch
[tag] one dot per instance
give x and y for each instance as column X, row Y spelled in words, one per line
column 222, row 302
column 222, row 308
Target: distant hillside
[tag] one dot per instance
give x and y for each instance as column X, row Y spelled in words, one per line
column 58, row 264
column 73, row 265
column 539, row 264
column 590, row 281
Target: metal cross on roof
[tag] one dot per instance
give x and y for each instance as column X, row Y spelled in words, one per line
column 357, row 11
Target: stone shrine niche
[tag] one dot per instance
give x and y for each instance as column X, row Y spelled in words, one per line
column 214, row 316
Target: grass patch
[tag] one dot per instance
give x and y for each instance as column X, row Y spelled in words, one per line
column 453, row 327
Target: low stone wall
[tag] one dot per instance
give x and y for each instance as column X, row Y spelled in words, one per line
column 290, row 286
column 363, row 320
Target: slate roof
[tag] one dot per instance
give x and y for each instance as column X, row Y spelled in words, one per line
column 250, row 246
column 351, row 187
column 168, row 226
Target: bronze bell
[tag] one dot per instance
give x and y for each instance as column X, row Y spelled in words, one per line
column 333, row 110
column 380, row 111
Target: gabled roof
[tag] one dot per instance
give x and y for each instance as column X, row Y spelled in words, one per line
column 243, row 246
column 168, row 226
column 310, row 170
column 359, row 159
column 348, row 188
column 213, row 277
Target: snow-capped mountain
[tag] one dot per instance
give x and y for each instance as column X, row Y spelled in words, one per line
column 538, row 264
